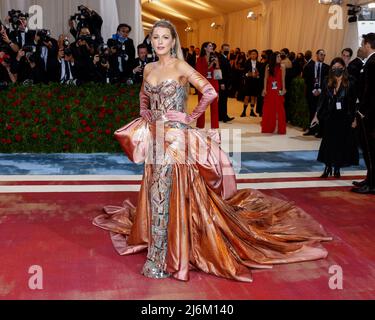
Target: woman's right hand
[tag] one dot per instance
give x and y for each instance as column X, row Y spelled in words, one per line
column 147, row 115
column 178, row 117
column 264, row 93
column 314, row 122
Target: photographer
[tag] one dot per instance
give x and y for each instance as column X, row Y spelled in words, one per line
column 125, row 51
column 64, row 66
column 20, row 36
column 102, row 66
column 140, row 63
column 28, row 66
column 6, row 76
column 46, row 48
column 83, row 51
column 87, row 18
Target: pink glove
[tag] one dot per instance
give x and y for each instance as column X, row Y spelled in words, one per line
column 144, row 101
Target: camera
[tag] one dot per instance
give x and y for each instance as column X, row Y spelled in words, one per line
column 44, row 35
column 66, row 43
column 81, row 17
column 212, row 57
column 103, row 53
column 88, row 38
column 30, row 53
column 14, row 18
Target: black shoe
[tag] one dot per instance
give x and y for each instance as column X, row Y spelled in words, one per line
column 228, row 119
column 253, row 114
column 337, row 173
column 360, row 184
column 364, row 190
column 309, row 133
column 327, row 172
column 318, row 135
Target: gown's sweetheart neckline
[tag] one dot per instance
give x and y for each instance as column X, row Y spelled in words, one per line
column 162, row 83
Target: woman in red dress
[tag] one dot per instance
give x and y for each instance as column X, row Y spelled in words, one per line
column 206, row 65
column 274, row 92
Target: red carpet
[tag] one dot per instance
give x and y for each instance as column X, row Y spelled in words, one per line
column 54, row 231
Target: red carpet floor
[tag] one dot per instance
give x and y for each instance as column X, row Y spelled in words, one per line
column 54, row 231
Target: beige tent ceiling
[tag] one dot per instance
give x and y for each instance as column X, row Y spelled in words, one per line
column 180, row 11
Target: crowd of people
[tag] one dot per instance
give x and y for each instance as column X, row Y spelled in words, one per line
column 336, row 94
column 34, row 56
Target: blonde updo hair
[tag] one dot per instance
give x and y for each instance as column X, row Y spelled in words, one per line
column 169, row 25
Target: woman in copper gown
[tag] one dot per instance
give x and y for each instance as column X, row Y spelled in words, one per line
column 189, row 213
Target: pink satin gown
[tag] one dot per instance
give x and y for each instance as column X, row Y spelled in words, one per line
column 189, row 214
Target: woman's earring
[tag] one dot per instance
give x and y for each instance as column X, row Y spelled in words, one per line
column 173, row 52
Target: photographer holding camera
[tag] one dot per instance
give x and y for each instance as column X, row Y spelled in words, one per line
column 140, row 63
column 102, row 65
column 83, row 51
column 125, row 51
column 46, row 48
column 64, row 66
column 87, row 18
column 28, row 66
column 20, row 36
column 6, row 75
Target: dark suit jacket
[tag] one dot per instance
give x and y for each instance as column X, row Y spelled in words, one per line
column 367, row 101
column 226, row 71
column 15, row 37
column 56, row 70
column 355, row 67
column 309, row 76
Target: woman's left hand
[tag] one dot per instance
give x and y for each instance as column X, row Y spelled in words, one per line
column 178, row 117
column 283, row 92
column 354, row 124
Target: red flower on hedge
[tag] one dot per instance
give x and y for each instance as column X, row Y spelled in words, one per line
column 105, row 98
column 33, row 103
column 54, row 130
column 18, row 138
column 9, row 127
column 67, row 133
column 68, row 107
column 108, row 132
column 58, row 110
column 58, row 122
column 84, row 123
column 36, row 120
column 79, row 140
column 37, row 111
column 10, row 112
column 35, row 136
column 49, row 111
column 48, row 136
column 77, row 102
column 49, row 95
column 88, row 129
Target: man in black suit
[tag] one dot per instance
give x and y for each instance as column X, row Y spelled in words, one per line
column 366, row 115
column 191, row 58
column 21, row 36
column 140, row 63
column 314, row 75
column 356, row 65
column 224, row 83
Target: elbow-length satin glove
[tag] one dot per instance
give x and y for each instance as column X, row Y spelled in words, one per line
column 144, row 101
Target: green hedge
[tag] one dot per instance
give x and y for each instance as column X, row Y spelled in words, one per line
column 298, row 108
column 57, row 119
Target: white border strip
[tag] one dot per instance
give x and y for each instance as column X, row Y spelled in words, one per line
column 136, row 188
column 266, row 175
